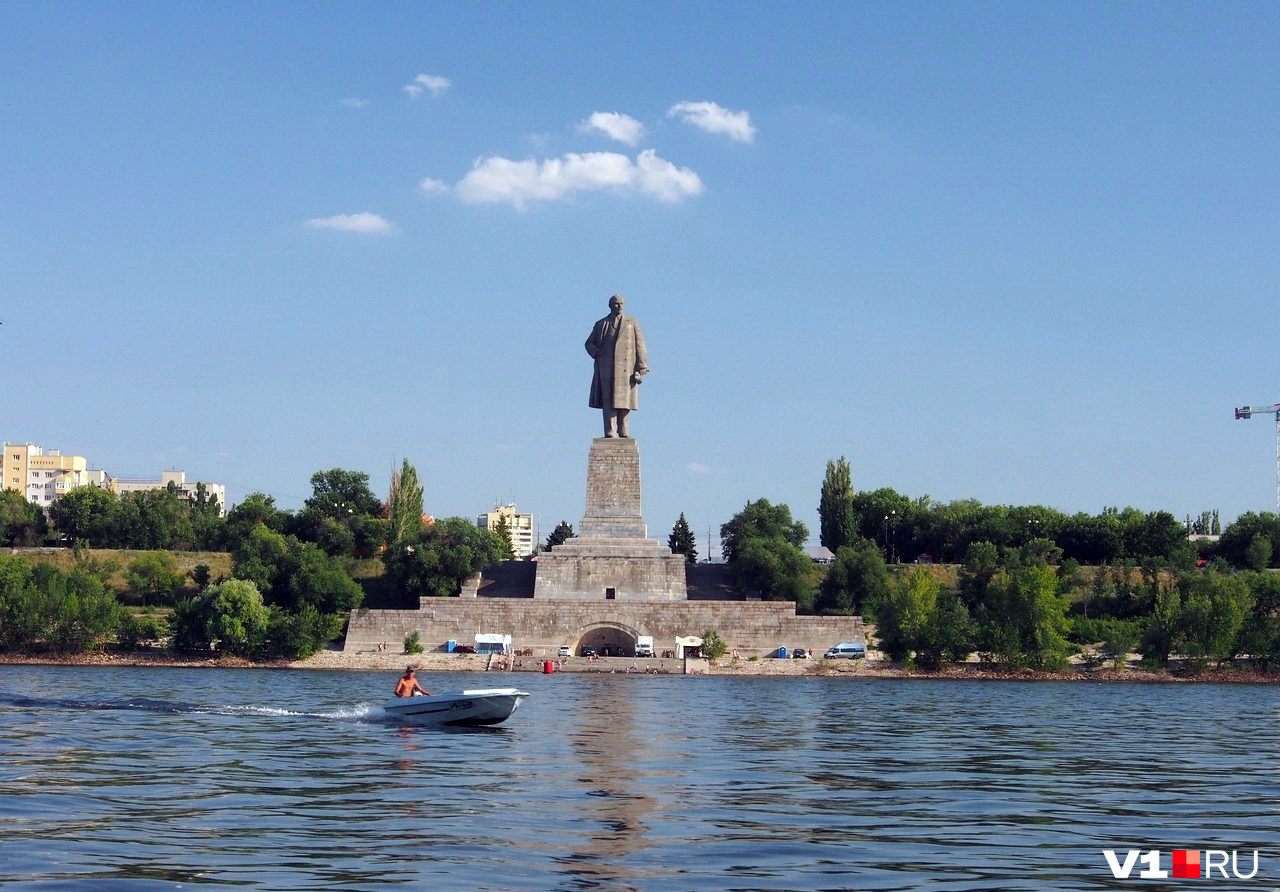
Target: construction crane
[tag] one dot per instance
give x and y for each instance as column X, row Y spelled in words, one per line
column 1249, row 412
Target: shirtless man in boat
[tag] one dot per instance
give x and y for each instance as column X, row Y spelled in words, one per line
column 407, row 685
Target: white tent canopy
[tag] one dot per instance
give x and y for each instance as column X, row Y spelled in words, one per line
column 490, row 643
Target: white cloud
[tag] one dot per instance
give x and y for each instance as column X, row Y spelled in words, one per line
column 433, row 186
column 353, row 102
column 697, row 467
column 496, row 179
column 715, row 119
column 614, row 125
column 429, row 82
column 365, row 223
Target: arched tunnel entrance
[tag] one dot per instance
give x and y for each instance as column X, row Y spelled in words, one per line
column 611, row 638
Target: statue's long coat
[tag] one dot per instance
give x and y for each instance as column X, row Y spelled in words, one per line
column 611, row 386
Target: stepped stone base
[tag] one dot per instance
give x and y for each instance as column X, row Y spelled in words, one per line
column 611, row 569
column 611, row 560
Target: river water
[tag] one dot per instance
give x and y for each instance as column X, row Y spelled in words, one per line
column 142, row 779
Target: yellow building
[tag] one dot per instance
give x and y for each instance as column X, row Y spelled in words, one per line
column 519, row 525
column 42, row 476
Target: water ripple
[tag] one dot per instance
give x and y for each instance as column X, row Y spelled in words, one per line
column 151, row 779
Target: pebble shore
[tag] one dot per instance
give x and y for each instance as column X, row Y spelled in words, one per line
column 388, row 661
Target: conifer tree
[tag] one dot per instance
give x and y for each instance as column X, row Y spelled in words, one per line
column 561, row 534
column 682, row 541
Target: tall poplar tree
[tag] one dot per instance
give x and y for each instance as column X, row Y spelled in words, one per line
column 405, row 509
column 839, row 521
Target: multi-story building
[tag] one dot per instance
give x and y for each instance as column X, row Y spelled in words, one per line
column 42, row 476
column 121, row 485
column 519, row 525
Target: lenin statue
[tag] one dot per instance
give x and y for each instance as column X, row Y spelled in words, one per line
column 617, row 346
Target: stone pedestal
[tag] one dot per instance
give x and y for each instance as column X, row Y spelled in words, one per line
column 612, row 559
column 613, row 491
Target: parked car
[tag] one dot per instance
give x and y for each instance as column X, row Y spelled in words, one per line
column 588, row 651
column 846, row 650
column 800, row 654
column 564, row 651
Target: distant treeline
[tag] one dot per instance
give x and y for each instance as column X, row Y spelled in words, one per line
column 292, row 573
column 1022, row 596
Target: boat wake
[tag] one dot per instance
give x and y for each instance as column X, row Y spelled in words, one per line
column 364, row 712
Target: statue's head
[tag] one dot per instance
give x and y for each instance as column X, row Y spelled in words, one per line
column 615, row 303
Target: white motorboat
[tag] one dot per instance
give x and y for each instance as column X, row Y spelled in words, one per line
column 481, row 707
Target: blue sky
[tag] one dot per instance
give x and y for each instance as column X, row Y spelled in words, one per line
column 1019, row 252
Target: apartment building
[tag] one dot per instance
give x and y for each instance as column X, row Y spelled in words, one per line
column 520, row 525
column 42, row 476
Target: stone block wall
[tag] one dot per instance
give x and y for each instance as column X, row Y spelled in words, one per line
column 752, row 628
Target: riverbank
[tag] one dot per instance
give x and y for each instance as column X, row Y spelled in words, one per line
column 385, row 661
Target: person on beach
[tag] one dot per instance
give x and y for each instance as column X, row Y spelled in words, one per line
column 408, row 685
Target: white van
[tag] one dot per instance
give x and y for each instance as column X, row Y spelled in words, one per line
column 644, row 645
column 846, row 650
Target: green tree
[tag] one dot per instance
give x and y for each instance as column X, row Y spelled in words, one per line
column 1260, row 634
column 154, row 519
column 263, row 557
column 340, row 493
column 1162, row 625
column 23, row 617
column 444, row 555
column 257, row 508
column 44, row 607
column 856, row 579
column 1022, row 621
column 1213, row 612
column 318, row 580
column 83, row 614
column 86, row 514
column 22, row 524
column 298, row 635
column 681, row 540
column 713, row 646
column 343, row 516
column 207, row 521
column 560, row 535
column 837, row 518
column 229, row 617
column 1257, row 554
column 903, row 613
column 946, row 636
column 875, row 508
column 154, row 576
column 762, row 544
column 404, row 509
column 981, row 566
column 761, row 520
column 503, row 531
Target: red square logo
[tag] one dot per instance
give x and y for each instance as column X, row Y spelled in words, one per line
column 1186, row 863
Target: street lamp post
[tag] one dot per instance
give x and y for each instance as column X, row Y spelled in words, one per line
column 890, row 546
